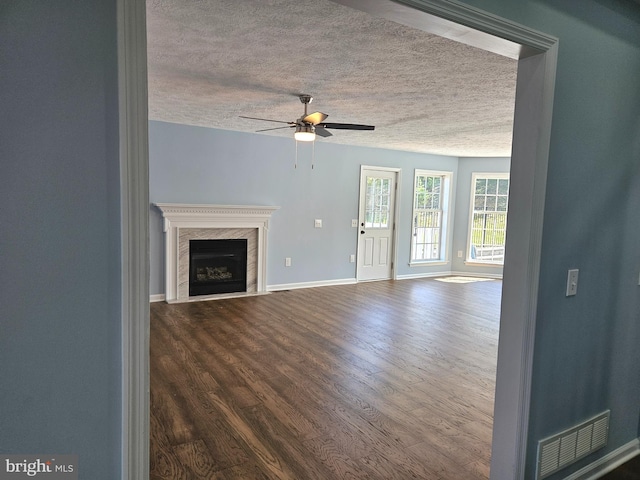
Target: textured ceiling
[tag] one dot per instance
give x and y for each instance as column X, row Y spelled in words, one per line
column 211, row 61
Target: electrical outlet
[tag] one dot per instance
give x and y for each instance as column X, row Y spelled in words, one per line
column 572, row 282
column 287, row 262
column 317, row 223
column 459, row 253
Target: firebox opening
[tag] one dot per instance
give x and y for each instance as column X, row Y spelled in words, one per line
column 217, row 266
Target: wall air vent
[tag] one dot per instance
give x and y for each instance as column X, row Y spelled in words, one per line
column 564, row 448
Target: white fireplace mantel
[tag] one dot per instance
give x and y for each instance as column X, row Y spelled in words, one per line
column 182, row 216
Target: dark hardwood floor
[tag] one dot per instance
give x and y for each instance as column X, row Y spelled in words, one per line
column 380, row 380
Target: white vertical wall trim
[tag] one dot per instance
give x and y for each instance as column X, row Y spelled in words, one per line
column 532, row 132
column 134, row 191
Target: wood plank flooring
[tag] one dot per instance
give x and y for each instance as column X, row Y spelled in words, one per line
column 379, row 380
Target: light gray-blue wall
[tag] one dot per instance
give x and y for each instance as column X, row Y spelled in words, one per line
column 60, row 300
column 210, row 166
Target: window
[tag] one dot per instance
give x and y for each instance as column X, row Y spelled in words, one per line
column 489, row 205
column 430, row 202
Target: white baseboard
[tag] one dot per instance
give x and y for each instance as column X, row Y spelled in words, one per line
column 321, row 283
column 481, row 275
column 410, row 276
column 158, row 297
column 609, row 462
column 446, row 274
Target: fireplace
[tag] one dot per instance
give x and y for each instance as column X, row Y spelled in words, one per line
column 217, row 266
column 183, row 223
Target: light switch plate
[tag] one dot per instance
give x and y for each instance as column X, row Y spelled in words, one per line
column 572, row 282
column 354, row 222
column 318, row 223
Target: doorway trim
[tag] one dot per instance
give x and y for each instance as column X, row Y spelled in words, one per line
column 537, row 54
column 134, row 234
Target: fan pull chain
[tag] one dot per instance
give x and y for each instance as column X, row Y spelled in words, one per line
column 313, row 154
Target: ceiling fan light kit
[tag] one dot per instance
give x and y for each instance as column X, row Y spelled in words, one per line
column 305, row 133
column 311, row 124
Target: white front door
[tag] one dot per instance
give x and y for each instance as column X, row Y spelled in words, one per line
column 376, row 223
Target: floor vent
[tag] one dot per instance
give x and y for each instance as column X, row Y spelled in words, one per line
column 563, row 449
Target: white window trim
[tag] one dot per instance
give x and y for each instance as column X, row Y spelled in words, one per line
column 447, row 202
column 474, row 176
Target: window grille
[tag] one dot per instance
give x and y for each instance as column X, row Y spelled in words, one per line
column 489, row 218
column 429, row 202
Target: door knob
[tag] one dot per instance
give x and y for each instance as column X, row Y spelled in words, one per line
column 361, row 232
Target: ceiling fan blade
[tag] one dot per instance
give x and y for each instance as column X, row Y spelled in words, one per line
column 274, row 128
column 267, row 120
column 346, row 126
column 315, row 118
column 321, row 132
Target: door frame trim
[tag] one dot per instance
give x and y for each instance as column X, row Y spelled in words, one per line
column 134, row 232
column 396, row 213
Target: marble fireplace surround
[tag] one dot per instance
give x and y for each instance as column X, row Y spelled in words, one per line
column 183, row 222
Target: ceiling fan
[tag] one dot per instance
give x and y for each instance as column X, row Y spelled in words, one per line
column 311, row 124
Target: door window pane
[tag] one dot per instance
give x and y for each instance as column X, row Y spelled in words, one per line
column 378, row 202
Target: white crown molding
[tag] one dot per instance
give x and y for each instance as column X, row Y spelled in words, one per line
column 462, row 23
